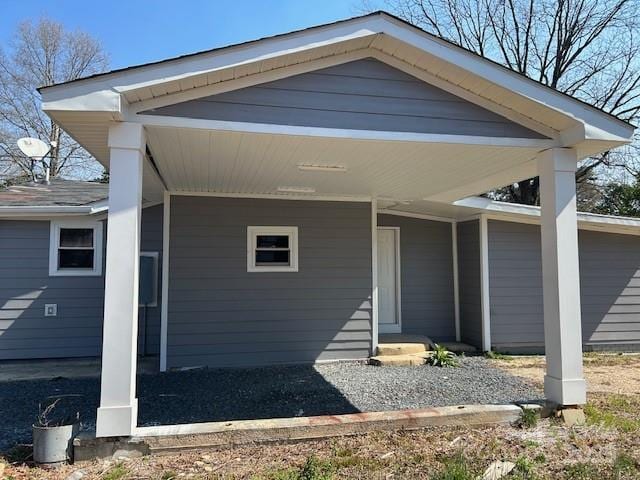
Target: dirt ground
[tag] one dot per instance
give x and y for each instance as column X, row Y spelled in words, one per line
column 605, row 373
column 608, row 447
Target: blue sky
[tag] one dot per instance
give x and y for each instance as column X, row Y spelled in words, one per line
column 139, row 31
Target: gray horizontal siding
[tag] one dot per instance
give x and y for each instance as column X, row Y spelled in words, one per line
column 469, row 282
column 426, row 267
column 365, row 95
column 222, row 315
column 25, row 287
column 609, row 285
column 151, row 241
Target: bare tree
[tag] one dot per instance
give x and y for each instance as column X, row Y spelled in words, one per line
column 589, row 49
column 43, row 54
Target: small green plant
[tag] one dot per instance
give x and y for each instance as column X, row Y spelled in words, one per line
column 116, row 473
column 441, row 357
column 456, row 467
column 528, row 418
column 315, row 469
column 169, row 475
column 493, row 355
column 625, row 465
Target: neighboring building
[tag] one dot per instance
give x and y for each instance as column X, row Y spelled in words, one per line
column 281, row 162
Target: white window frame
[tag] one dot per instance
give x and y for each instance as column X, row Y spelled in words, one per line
column 156, row 257
column 54, row 245
column 252, row 235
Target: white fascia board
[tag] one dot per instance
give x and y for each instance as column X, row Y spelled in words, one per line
column 505, row 77
column 531, row 214
column 208, row 62
column 98, row 101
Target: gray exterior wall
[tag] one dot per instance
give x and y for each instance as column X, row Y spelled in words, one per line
column 469, row 282
column 364, row 95
column 221, row 315
column 609, row 283
column 426, row 267
column 25, row 287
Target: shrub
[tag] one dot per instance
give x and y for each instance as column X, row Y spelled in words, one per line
column 441, row 357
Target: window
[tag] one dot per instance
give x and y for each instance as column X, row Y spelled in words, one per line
column 148, row 279
column 272, row 249
column 75, row 248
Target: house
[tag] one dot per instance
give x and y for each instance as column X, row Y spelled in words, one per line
column 436, row 283
column 285, row 166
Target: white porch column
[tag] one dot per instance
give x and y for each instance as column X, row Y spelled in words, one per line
column 564, row 383
column 117, row 415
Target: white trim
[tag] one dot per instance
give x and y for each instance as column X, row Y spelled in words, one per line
column 397, row 328
column 164, row 301
column 501, row 76
column 274, row 196
column 155, row 256
column 484, row 284
column 456, row 280
column 54, row 246
column 374, row 276
column 421, row 216
column 254, row 231
column 247, row 81
column 295, row 130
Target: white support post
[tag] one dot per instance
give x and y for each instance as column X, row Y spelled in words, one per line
column 456, row 280
column 374, row 276
column 164, row 312
column 564, row 382
column 117, row 414
column 485, row 299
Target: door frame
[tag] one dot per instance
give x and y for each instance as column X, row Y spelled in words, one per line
column 398, row 325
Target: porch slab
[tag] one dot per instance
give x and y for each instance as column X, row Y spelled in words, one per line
column 172, row 438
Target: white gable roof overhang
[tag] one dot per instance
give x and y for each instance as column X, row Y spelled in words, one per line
column 85, row 108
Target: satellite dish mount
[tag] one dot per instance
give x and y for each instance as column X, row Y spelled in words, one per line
column 37, row 150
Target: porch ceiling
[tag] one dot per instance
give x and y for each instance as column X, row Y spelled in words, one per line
column 257, row 163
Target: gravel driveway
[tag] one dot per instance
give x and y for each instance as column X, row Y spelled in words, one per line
column 302, row 390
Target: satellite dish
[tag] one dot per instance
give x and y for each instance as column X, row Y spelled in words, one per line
column 33, row 148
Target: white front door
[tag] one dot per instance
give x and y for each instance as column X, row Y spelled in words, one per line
column 388, row 314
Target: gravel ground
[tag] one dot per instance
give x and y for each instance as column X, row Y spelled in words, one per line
column 227, row 394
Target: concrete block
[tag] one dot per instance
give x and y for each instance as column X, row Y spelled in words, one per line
column 573, row 416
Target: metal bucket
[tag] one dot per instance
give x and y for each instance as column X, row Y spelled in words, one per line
column 54, row 444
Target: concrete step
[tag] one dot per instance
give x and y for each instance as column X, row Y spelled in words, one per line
column 399, row 344
column 388, row 349
column 406, row 360
column 459, row 347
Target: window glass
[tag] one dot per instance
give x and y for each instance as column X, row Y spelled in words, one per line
column 272, row 257
column 272, row 241
column 76, row 237
column 75, row 258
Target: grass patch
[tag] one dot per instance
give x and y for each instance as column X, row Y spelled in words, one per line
column 456, row 467
column 313, row 469
column 168, row 475
column 493, row 355
column 617, row 412
column 117, row 472
column 625, row 465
